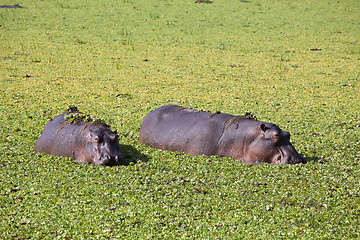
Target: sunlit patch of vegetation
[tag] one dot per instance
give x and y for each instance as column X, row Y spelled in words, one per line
column 295, row 64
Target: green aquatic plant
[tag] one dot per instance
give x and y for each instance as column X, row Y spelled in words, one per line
column 292, row 63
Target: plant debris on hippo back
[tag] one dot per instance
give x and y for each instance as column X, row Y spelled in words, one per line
column 78, row 136
column 243, row 138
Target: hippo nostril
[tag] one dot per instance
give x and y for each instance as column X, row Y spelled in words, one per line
column 117, row 159
column 295, row 160
column 112, row 160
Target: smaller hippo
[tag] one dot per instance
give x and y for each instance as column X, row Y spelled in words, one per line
column 83, row 139
column 242, row 138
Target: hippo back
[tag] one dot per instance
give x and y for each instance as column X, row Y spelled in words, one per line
column 193, row 132
column 55, row 142
column 176, row 128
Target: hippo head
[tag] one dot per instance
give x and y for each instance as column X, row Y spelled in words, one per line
column 272, row 145
column 102, row 147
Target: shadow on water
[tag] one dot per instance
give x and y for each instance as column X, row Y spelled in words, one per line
column 132, row 154
column 313, row 159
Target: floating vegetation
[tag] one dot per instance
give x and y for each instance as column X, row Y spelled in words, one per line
column 74, row 116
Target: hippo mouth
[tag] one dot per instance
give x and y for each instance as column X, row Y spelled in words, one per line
column 279, row 159
column 293, row 158
column 299, row 159
column 107, row 160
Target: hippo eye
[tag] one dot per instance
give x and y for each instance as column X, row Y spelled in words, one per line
column 276, row 135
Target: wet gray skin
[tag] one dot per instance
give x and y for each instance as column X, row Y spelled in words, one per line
column 90, row 142
column 192, row 132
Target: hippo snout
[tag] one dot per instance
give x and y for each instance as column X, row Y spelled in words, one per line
column 289, row 155
column 112, row 160
column 294, row 159
column 300, row 159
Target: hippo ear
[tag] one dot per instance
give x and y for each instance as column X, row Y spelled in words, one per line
column 96, row 139
column 115, row 131
column 93, row 137
column 263, row 127
column 286, row 134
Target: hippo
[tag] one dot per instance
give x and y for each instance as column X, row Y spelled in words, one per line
column 193, row 132
column 81, row 138
column 11, row 6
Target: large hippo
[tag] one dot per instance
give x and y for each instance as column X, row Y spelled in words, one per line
column 85, row 140
column 243, row 138
column 11, row 6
